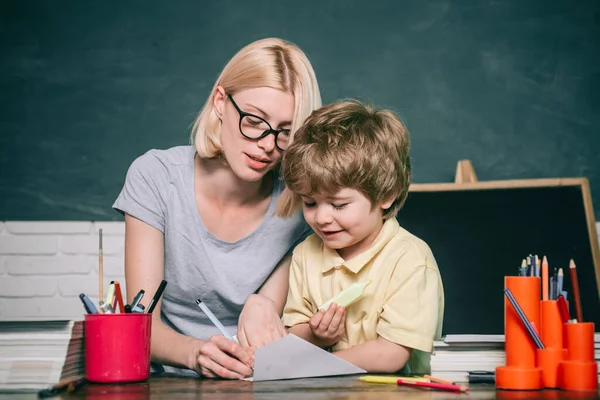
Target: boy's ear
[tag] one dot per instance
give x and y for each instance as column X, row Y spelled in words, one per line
column 387, row 203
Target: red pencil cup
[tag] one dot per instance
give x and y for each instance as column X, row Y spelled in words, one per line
column 117, row 347
column 579, row 371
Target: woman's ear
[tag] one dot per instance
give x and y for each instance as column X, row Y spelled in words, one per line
column 219, row 99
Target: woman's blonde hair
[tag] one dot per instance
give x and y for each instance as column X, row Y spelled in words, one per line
column 348, row 145
column 271, row 62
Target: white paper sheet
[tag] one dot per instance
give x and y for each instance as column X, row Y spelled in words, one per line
column 291, row 357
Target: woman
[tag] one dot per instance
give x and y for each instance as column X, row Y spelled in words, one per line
column 202, row 216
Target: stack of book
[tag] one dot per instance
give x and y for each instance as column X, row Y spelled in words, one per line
column 460, row 358
column 597, row 351
column 38, row 354
column 457, row 357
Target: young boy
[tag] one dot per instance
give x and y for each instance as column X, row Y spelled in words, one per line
column 349, row 167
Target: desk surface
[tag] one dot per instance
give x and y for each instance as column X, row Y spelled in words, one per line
column 338, row 388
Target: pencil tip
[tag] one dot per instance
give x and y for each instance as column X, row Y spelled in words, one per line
column 545, row 260
column 571, row 263
column 560, row 272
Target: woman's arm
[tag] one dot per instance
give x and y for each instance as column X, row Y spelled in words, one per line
column 276, row 286
column 260, row 320
column 378, row 355
column 144, row 269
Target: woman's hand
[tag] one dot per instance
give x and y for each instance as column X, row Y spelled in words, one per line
column 259, row 322
column 220, row 357
column 329, row 326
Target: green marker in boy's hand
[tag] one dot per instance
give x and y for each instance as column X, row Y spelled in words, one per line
column 347, row 296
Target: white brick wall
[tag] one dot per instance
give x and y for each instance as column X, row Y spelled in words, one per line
column 45, row 265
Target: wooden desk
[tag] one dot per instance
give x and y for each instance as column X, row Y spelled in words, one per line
column 338, row 388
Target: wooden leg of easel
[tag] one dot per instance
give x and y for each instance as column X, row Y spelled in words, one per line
column 465, row 172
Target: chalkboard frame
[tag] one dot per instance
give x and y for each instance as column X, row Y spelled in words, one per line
column 583, row 183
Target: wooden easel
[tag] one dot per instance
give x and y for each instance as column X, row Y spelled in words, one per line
column 465, row 172
column 466, row 179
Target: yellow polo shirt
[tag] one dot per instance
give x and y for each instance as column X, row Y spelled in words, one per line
column 404, row 303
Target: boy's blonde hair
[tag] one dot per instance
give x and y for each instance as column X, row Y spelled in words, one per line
column 272, row 63
column 348, row 144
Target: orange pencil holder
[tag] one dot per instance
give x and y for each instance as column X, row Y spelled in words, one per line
column 551, row 331
column 520, row 371
column 579, row 371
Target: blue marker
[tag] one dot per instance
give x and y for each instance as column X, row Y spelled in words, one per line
column 87, row 303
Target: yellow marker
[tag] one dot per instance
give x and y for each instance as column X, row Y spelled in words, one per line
column 111, row 293
column 390, row 379
column 347, row 296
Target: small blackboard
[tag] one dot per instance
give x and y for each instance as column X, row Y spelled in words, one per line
column 480, row 232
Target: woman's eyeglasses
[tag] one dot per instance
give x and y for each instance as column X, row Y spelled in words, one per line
column 254, row 127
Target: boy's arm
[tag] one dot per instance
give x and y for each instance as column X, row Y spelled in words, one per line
column 378, row 355
column 303, row 331
column 325, row 328
column 297, row 309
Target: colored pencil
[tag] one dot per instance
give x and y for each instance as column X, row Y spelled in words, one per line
column 524, row 319
column 438, row 380
column 390, row 379
column 545, row 279
column 576, row 295
column 563, row 309
column 432, row 385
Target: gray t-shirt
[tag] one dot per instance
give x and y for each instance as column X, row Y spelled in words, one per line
column 159, row 190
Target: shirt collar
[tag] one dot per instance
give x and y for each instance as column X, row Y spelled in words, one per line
column 332, row 259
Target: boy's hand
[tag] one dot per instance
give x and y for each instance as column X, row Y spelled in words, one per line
column 329, row 326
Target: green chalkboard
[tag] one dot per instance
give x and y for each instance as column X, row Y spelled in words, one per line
column 87, row 86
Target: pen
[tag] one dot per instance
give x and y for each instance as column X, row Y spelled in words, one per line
column 106, row 308
column 524, row 319
column 127, row 309
column 70, row 385
column 213, row 319
column 138, row 309
column 137, row 298
column 156, row 297
column 90, row 308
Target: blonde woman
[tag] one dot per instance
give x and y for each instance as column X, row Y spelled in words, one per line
column 202, row 216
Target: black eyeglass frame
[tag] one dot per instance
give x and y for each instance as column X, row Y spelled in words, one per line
column 269, row 131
